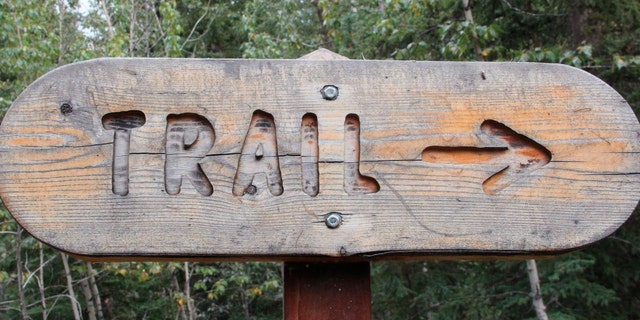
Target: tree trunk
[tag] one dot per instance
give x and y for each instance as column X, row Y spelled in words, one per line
column 323, row 29
column 536, row 295
column 72, row 294
column 94, row 289
column 88, row 297
column 132, row 28
column 43, row 296
column 107, row 18
column 23, row 304
column 61, row 12
column 187, row 292
column 176, row 288
column 468, row 15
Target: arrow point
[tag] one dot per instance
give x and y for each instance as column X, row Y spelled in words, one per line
column 499, row 181
column 526, row 156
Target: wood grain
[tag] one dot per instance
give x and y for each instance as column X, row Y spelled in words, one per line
column 327, row 291
column 57, row 157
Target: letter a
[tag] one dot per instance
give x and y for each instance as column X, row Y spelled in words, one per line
column 259, row 155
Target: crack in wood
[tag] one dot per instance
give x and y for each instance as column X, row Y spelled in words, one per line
column 189, row 138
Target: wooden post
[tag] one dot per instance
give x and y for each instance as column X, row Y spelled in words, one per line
column 326, row 290
column 318, row 291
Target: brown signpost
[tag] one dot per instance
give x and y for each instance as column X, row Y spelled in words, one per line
column 318, row 160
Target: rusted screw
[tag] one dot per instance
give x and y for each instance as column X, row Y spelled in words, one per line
column 329, row 92
column 333, row 219
column 251, row 190
column 66, row 108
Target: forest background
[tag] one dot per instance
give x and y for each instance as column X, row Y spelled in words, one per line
column 599, row 36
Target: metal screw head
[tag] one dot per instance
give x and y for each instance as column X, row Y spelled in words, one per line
column 329, row 92
column 66, row 108
column 251, row 189
column 333, row 219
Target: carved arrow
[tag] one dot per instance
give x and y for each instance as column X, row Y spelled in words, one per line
column 522, row 154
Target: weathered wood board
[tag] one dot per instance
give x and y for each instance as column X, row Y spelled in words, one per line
column 246, row 158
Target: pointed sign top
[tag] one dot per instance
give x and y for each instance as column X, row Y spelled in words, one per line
column 323, row 54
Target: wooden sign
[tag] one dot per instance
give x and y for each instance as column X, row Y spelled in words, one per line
column 288, row 159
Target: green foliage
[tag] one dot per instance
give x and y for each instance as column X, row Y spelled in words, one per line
column 452, row 290
column 34, row 41
column 134, row 28
column 280, row 29
column 239, row 291
column 136, row 290
column 601, row 37
column 212, row 30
